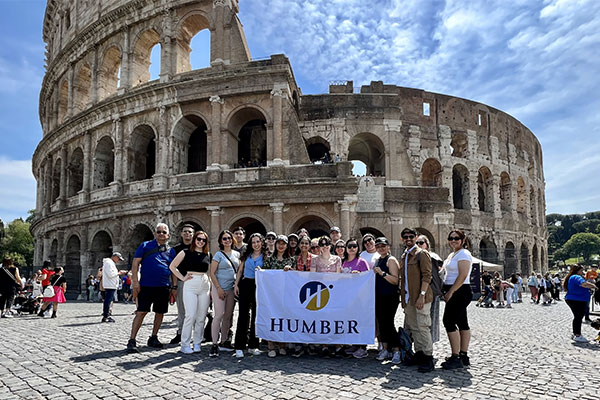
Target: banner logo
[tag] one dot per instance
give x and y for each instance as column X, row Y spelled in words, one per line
column 314, row 295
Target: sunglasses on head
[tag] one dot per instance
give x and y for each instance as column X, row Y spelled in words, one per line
column 453, row 238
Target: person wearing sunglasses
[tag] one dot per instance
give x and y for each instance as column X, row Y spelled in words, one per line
column 314, row 247
column 293, row 249
column 304, row 258
column 152, row 288
column 222, row 272
column 270, row 241
column 191, row 266
column 458, row 296
column 187, row 235
column 340, row 249
column 436, row 262
column 369, row 253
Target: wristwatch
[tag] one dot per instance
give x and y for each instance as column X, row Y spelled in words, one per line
column 384, row 274
column 423, row 293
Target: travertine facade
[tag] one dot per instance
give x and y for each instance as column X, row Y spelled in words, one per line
column 121, row 153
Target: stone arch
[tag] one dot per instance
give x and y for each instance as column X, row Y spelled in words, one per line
column 104, row 163
column 485, row 194
column 190, row 134
column 249, row 125
column 510, row 259
column 459, row 144
column 53, row 253
column 56, row 180
column 460, row 187
column 487, row 250
column 524, row 258
column 142, row 153
column 543, row 265
column 250, row 222
column 532, row 204
column 431, row 173
column 521, row 200
column 369, row 149
column 63, row 101
column 317, row 147
column 423, row 231
column 191, row 24
column 316, row 226
column 75, row 172
column 505, row 192
column 140, row 63
column 139, row 233
column 73, row 263
column 101, row 247
column 534, row 258
column 373, row 231
column 109, row 73
column 82, row 88
column 196, row 223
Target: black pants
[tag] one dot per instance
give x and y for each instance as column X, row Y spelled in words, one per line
column 245, row 333
column 455, row 313
column 578, row 308
column 6, row 297
column 385, row 312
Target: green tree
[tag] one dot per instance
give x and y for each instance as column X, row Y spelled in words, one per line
column 587, row 225
column 583, row 244
column 18, row 242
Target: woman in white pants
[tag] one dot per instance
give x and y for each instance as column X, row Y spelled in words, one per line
column 192, row 266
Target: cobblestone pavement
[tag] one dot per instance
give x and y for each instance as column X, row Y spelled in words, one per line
column 519, row 353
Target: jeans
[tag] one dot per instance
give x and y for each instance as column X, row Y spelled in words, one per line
column 510, row 295
column 109, row 295
column 196, row 299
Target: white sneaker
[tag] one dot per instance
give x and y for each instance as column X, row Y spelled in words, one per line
column 186, row 350
column 383, row 355
column 580, row 339
column 197, row 348
column 239, row 354
column 254, row 352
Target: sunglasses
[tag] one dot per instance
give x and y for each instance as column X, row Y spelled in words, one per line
column 314, row 247
column 199, row 239
column 225, row 239
column 162, row 232
column 420, row 242
column 405, row 237
column 380, row 245
column 339, row 247
column 324, row 244
column 352, row 246
column 369, row 240
column 270, row 237
column 453, row 238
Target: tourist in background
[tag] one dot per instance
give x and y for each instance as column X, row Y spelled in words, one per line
column 110, row 276
column 58, row 283
column 577, row 298
column 9, row 281
column 458, row 296
column 532, row 283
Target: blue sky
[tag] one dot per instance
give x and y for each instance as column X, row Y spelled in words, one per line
column 538, row 60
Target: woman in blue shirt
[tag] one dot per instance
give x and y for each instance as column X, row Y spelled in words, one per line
column 245, row 289
column 578, row 297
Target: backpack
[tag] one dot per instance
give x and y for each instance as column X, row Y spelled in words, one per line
column 436, row 279
column 406, row 352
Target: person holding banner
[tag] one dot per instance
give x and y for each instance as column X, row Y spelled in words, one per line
column 458, row 296
column 386, row 300
column 369, row 253
column 304, row 258
column 245, row 289
column 326, row 262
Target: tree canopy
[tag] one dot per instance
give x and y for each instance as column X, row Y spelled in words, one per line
column 583, row 244
column 17, row 243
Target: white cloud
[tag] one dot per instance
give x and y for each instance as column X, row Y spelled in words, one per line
column 18, row 188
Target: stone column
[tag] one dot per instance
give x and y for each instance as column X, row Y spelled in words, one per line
column 442, row 223
column 125, row 78
column 84, row 194
column 46, row 250
column 62, row 194
column 278, row 209
column 276, row 100
column 94, row 78
column 70, row 80
column 162, row 150
column 48, row 191
column 84, row 251
column 217, row 44
column 165, row 59
column 60, row 248
column 217, row 145
column 496, row 196
column 38, row 257
column 392, row 175
column 473, row 196
column 118, row 135
column 215, row 226
column 396, row 224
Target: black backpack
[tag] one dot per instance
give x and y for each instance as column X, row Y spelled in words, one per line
column 406, row 352
column 436, row 280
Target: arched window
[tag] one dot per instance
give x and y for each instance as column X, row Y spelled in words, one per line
column 431, row 173
column 193, row 44
column 535, row 259
column 318, row 149
column 510, row 259
column 109, row 73
column 141, row 60
column 369, row 149
column 104, row 163
column 487, row 250
column 142, row 159
column 101, row 248
column 525, row 268
column 315, row 225
column 249, row 126
column 75, row 173
column 460, row 187
column 82, row 89
column 484, row 190
column 191, row 142
column 250, row 225
column 505, row 192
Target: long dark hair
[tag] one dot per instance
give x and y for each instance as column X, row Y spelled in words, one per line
column 250, row 250
column 462, row 236
column 573, row 271
column 346, row 248
column 226, row 232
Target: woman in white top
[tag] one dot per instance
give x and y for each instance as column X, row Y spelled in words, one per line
column 458, row 295
column 369, row 253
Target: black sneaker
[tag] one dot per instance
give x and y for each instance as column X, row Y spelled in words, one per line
column 298, row 351
column 176, row 339
column 154, row 342
column 465, row 359
column 214, row 351
column 325, row 353
column 132, row 346
column 226, row 346
column 452, row 362
column 108, row 319
column 426, row 364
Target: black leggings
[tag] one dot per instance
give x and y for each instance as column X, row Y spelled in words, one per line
column 245, row 333
column 6, row 297
column 385, row 312
column 455, row 313
column 578, row 308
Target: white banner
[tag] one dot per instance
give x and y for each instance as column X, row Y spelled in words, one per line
column 314, row 307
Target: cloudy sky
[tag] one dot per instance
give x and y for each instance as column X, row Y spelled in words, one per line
column 538, row 60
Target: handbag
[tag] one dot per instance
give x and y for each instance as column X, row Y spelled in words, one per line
column 48, row 292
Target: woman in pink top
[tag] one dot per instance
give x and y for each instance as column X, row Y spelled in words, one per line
column 326, row 262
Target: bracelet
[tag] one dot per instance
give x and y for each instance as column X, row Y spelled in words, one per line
column 174, row 287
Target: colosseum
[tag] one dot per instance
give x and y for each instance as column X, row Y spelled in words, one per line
column 238, row 144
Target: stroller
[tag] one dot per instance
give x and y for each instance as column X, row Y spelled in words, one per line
column 26, row 303
column 487, row 299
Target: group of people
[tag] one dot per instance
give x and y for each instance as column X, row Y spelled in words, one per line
column 193, row 277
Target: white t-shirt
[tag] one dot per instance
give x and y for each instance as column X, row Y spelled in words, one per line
column 451, row 266
column 370, row 258
column 110, row 274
